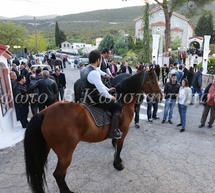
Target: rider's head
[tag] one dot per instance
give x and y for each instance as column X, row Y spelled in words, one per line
column 95, row 58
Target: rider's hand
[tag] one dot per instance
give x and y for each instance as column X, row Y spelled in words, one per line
column 108, row 76
column 113, row 98
column 111, row 90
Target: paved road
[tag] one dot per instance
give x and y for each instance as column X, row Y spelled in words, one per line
column 157, row 158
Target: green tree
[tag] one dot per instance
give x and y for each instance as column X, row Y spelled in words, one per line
column 130, row 42
column 12, row 34
column 107, row 42
column 59, row 35
column 121, row 46
column 146, row 38
column 175, row 43
column 42, row 43
column 205, row 25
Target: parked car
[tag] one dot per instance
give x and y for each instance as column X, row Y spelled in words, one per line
column 84, row 61
column 42, row 66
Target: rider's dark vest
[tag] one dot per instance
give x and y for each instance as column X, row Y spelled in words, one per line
column 89, row 88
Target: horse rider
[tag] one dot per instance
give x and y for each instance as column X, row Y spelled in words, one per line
column 97, row 93
column 53, row 58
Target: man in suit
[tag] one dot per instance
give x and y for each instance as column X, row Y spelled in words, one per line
column 61, row 82
column 113, row 68
column 185, row 70
column 126, row 68
column 14, row 69
column 104, row 64
column 48, row 90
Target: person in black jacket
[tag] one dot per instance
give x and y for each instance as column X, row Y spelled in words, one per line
column 197, row 83
column 165, row 72
column 33, row 95
column 61, row 82
column 157, row 71
column 14, row 69
column 208, row 100
column 16, row 61
column 171, row 91
column 104, row 64
column 137, row 110
column 126, row 68
column 190, row 76
column 23, row 70
column 48, row 91
column 21, row 101
column 185, row 70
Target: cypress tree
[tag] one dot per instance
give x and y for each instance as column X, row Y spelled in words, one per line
column 57, row 34
column 205, row 25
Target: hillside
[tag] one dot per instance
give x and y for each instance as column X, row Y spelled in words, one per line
column 97, row 23
column 88, row 21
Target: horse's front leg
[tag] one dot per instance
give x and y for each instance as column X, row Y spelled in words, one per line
column 117, row 160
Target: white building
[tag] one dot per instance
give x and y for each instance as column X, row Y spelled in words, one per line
column 98, row 41
column 74, row 47
column 180, row 26
column 7, row 110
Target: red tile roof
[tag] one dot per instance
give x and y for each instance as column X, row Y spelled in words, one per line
column 196, row 37
column 177, row 29
column 4, row 52
column 160, row 23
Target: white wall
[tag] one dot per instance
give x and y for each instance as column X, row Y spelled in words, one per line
column 175, row 22
column 7, row 121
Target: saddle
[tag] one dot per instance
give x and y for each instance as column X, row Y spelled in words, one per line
column 100, row 116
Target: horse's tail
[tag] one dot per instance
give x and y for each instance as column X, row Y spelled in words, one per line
column 36, row 153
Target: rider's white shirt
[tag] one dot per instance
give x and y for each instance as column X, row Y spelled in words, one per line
column 101, row 72
column 94, row 77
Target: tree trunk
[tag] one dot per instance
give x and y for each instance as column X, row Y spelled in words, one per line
column 168, row 29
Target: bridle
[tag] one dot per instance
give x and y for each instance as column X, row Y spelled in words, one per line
column 144, row 78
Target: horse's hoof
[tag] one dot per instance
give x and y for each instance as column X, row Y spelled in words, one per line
column 118, row 166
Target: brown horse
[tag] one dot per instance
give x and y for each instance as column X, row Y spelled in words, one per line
column 57, row 63
column 63, row 125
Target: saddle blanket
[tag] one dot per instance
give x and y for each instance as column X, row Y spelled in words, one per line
column 100, row 116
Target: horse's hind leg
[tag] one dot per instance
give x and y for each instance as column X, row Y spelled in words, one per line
column 64, row 161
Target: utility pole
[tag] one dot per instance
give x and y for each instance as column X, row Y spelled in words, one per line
column 35, row 30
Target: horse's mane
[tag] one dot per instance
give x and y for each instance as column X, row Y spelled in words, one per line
column 130, row 85
column 119, row 78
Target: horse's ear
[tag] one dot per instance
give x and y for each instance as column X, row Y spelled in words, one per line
column 152, row 69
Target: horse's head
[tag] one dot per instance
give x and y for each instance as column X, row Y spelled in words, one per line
column 150, row 84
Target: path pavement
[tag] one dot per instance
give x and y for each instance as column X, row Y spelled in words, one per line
column 157, row 158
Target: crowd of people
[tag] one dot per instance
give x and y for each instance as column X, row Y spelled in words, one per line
column 180, row 85
column 36, row 88
column 39, row 88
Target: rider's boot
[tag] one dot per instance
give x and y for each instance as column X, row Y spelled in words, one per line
column 114, row 132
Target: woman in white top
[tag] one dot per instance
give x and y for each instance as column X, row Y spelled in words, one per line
column 184, row 98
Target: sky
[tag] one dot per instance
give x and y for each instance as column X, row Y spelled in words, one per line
column 15, row 8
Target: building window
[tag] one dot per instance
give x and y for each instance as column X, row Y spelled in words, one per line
column 68, row 45
column 4, row 92
column 158, row 29
column 64, row 45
